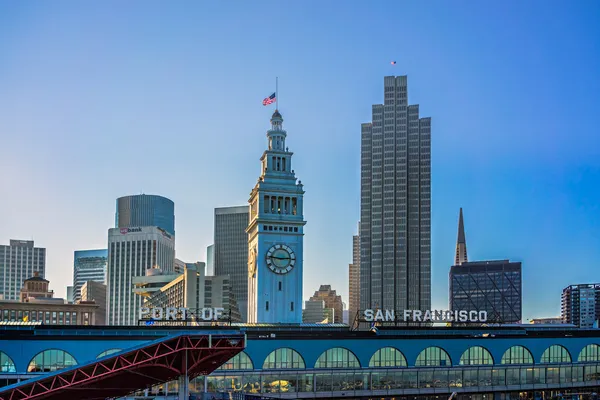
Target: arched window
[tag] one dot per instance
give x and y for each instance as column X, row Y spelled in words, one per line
column 517, row 355
column 555, row 354
column 589, row 353
column 337, row 358
column 476, row 355
column 51, row 360
column 240, row 361
column 6, row 363
column 108, row 352
column 284, row 358
column 433, row 357
column 387, row 357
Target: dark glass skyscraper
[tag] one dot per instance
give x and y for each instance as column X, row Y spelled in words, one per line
column 492, row 286
column 145, row 210
column 395, row 204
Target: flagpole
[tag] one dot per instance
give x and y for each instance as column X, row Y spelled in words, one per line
column 276, row 93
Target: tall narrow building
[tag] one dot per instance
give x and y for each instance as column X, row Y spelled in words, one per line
column 276, row 235
column 461, row 242
column 395, row 218
column 354, row 278
column 89, row 265
column 231, row 251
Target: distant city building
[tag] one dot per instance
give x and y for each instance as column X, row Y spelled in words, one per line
column 354, row 278
column 461, row 242
column 35, row 288
column 191, row 289
column 580, row 305
column 37, row 304
column 89, row 265
column 395, row 218
column 346, row 318
column 145, row 210
column 210, row 260
column 19, row 261
column 131, row 251
column 93, row 291
column 332, row 301
column 492, row 286
column 231, row 251
column 70, row 298
column 276, row 235
column 547, row 321
column 178, row 266
column 315, row 312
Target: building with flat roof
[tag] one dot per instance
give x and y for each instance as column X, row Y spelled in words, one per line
column 580, row 304
column 89, row 265
column 95, row 292
column 354, row 278
column 231, row 251
column 19, row 261
column 491, row 286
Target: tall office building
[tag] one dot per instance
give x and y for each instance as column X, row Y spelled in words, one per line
column 89, row 265
column 332, row 301
column 276, row 235
column 19, row 261
column 231, row 251
column 395, row 206
column 131, row 251
column 580, row 305
column 461, row 242
column 492, row 286
column 145, row 210
column 354, row 278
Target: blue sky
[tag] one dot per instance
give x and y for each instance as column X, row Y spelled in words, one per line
column 108, row 99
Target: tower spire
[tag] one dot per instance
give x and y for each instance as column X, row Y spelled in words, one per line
column 461, row 242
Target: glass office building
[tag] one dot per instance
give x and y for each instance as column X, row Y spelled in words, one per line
column 492, row 286
column 145, row 210
column 89, row 265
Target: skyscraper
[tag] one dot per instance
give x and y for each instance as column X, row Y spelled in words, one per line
column 231, row 251
column 145, row 210
column 210, row 260
column 276, row 235
column 461, row 242
column 395, row 216
column 332, row 301
column 131, row 251
column 354, row 278
column 19, row 261
column 580, row 305
column 89, row 265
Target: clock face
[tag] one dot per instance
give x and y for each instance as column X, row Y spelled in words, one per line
column 252, row 263
column 281, row 259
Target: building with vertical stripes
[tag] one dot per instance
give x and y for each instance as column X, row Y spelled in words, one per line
column 395, row 217
column 131, row 251
column 354, row 278
column 89, row 265
column 145, row 210
column 20, row 260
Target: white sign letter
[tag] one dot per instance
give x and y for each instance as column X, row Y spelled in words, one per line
column 144, row 311
column 369, row 315
column 171, row 313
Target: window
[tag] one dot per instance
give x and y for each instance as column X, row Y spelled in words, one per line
column 387, row 357
column 292, row 306
column 476, row 355
column 267, row 306
column 555, row 354
column 284, row 358
column 280, row 286
column 517, row 355
column 51, row 360
column 433, row 357
column 6, row 363
column 108, row 352
column 337, row 358
column 591, row 352
column 240, row 361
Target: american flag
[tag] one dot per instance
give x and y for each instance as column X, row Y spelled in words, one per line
column 269, row 100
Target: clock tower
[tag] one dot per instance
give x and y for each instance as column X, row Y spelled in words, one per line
column 275, row 235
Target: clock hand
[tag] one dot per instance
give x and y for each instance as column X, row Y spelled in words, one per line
column 281, row 258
